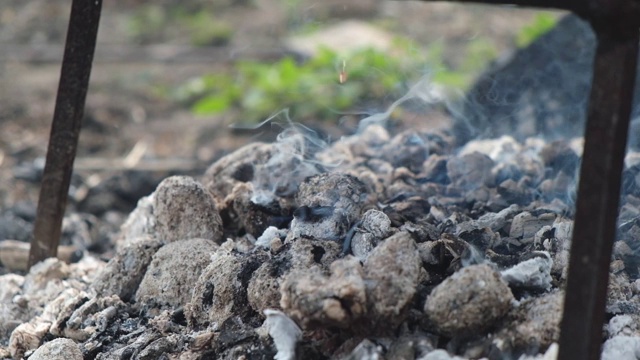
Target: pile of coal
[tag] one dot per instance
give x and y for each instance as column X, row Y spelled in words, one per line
column 378, row 246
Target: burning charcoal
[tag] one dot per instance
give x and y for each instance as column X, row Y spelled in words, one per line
column 471, row 171
column 184, row 209
column 264, row 287
column 84, row 317
column 407, row 208
column 373, row 228
column 435, row 169
column 621, row 347
column 620, row 299
column 159, row 347
column 421, row 231
column 124, row 272
column 369, row 142
column 408, row 149
column 482, row 239
column 562, row 186
column 525, row 225
column 329, row 206
column 131, row 347
column 558, row 156
column 237, row 340
column 469, row 303
column 313, row 299
column 513, row 193
column 366, row 350
column 536, row 322
column 239, row 166
column 221, row 290
column 391, row 272
column 442, row 255
column 315, row 214
column 532, row 274
column 58, row 349
column 255, row 212
column 173, row 271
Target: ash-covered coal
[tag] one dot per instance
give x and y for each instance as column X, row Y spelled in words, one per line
column 380, row 245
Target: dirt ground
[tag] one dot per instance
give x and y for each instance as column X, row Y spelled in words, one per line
column 125, row 112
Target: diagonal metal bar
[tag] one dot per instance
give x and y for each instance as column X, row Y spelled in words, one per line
column 594, row 231
column 65, row 129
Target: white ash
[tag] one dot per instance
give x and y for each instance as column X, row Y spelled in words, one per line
column 621, row 347
column 626, row 325
column 439, row 355
column 531, row 274
column 268, row 235
column 285, row 334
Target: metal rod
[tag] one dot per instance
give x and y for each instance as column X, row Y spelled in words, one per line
column 594, row 229
column 65, row 129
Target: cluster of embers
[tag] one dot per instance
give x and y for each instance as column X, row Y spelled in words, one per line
column 374, row 247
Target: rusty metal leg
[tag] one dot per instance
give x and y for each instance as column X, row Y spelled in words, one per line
column 65, row 129
column 614, row 74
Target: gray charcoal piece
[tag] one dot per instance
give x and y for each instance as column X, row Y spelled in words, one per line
column 58, row 349
column 535, row 322
column 531, row 274
column 392, row 272
column 263, row 291
column 173, row 271
column 221, row 290
column 525, row 225
column 124, row 272
column 184, row 209
column 471, row 171
column 237, row 167
column 621, row 347
column 469, row 302
column 330, row 204
column 373, row 228
column 313, row 299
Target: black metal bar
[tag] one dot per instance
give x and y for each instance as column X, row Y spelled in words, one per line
column 594, row 230
column 65, row 129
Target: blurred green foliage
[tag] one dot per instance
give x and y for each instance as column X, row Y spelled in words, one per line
column 542, row 23
column 311, row 89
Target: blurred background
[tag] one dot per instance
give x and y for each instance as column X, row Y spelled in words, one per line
column 177, row 84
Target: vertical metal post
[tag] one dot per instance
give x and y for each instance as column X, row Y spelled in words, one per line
column 65, row 129
column 594, row 230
